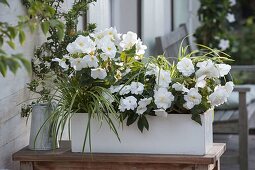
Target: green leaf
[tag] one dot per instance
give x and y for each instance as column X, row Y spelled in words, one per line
column 5, row 2
column 196, row 118
column 3, row 66
column 45, row 26
column 131, row 119
column 60, row 33
column 13, row 32
column 140, row 124
column 25, row 62
column 11, row 44
column 22, row 37
column 1, row 41
column 13, row 65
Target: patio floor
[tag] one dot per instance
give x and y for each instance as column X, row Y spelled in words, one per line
column 227, row 161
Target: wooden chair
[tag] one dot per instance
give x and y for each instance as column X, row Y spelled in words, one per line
column 226, row 121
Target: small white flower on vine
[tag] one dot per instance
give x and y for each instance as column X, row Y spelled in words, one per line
column 128, row 40
column 124, row 89
column 128, row 103
column 232, row 2
column 163, row 98
column 161, row 113
column 179, row 87
column 208, row 69
column 224, row 44
column 98, row 73
column 230, row 17
column 142, row 105
column 163, row 78
column 140, row 48
column 137, row 88
column 192, row 98
column 91, row 61
column 186, row 67
column 61, row 62
column 223, row 69
column 78, row 63
column 85, row 44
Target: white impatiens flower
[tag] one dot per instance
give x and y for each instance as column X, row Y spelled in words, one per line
column 91, row 61
column 128, row 103
column 163, row 98
column 62, row 62
column 179, row 87
column 224, row 44
column 78, row 63
column 72, row 48
column 208, row 69
column 85, row 44
column 137, row 88
column 223, row 69
column 151, row 69
column 142, row 105
column 128, row 40
column 163, row 78
column 192, row 98
column 160, row 112
column 186, row 67
column 98, row 73
column 230, row 17
column 124, row 89
column 109, row 50
column 140, row 48
column 232, row 2
column 201, row 81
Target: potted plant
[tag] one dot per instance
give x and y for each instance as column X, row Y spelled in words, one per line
column 107, row 85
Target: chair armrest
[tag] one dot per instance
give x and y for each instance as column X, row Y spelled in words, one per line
column 242, row 89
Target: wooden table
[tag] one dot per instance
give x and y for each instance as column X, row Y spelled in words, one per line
column 63, row 159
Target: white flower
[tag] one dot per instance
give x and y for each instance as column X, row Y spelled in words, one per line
column 112, row 33
column 230, row 17
column 142, row 105
column 128, row 40
column 137, row 88
column 109, row 49
column 232, row 2
column 98, row 73
column 201, row 81
column 124, row 89
column 61, row 62
column 186, row 67
column 128, row 103
column 85, row 44
column 151, row 69
column 140, row 48
column 163, row 98
column 219, row 96
column 78, row 63
column 72, row 48
column 91, row 61
column 229, row 86
column 224, row 44
column 179, row 87
column 223, row 69
column 163, row 78
column 207, row 68
column 114, row 89
column 192, row 98
column 160, row 112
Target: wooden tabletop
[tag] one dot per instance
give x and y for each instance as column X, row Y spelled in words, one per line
column 64, row 154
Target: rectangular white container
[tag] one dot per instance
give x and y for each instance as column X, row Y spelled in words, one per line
column 176, row 134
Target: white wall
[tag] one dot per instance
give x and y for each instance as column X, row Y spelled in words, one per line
column 156, row 21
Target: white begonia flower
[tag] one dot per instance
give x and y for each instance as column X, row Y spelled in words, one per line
column 151, row 69
column 232, row 2
column 186, row 67
column 229, row 86
column 85, row 44
column 61, row 62
column 219, row 96
column 128, row 103
column 98, row 73
column 137, row 88
column 208, row 69
column 223, row 69
column 224, row 44
column 230, row 17
column 201, row 81
column 140, row 48
column 161, row 113
column 91, row 61
column 72, row 48
column 192, row 98
column 124, row 89
column 128, row 40
column 142, row 105
column 163, row 98
column 163, row 78
column 78, row 63
column 179, row 87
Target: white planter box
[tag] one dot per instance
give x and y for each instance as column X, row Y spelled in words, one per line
column 176, row 134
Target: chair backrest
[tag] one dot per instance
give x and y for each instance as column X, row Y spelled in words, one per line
column 169, row 44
